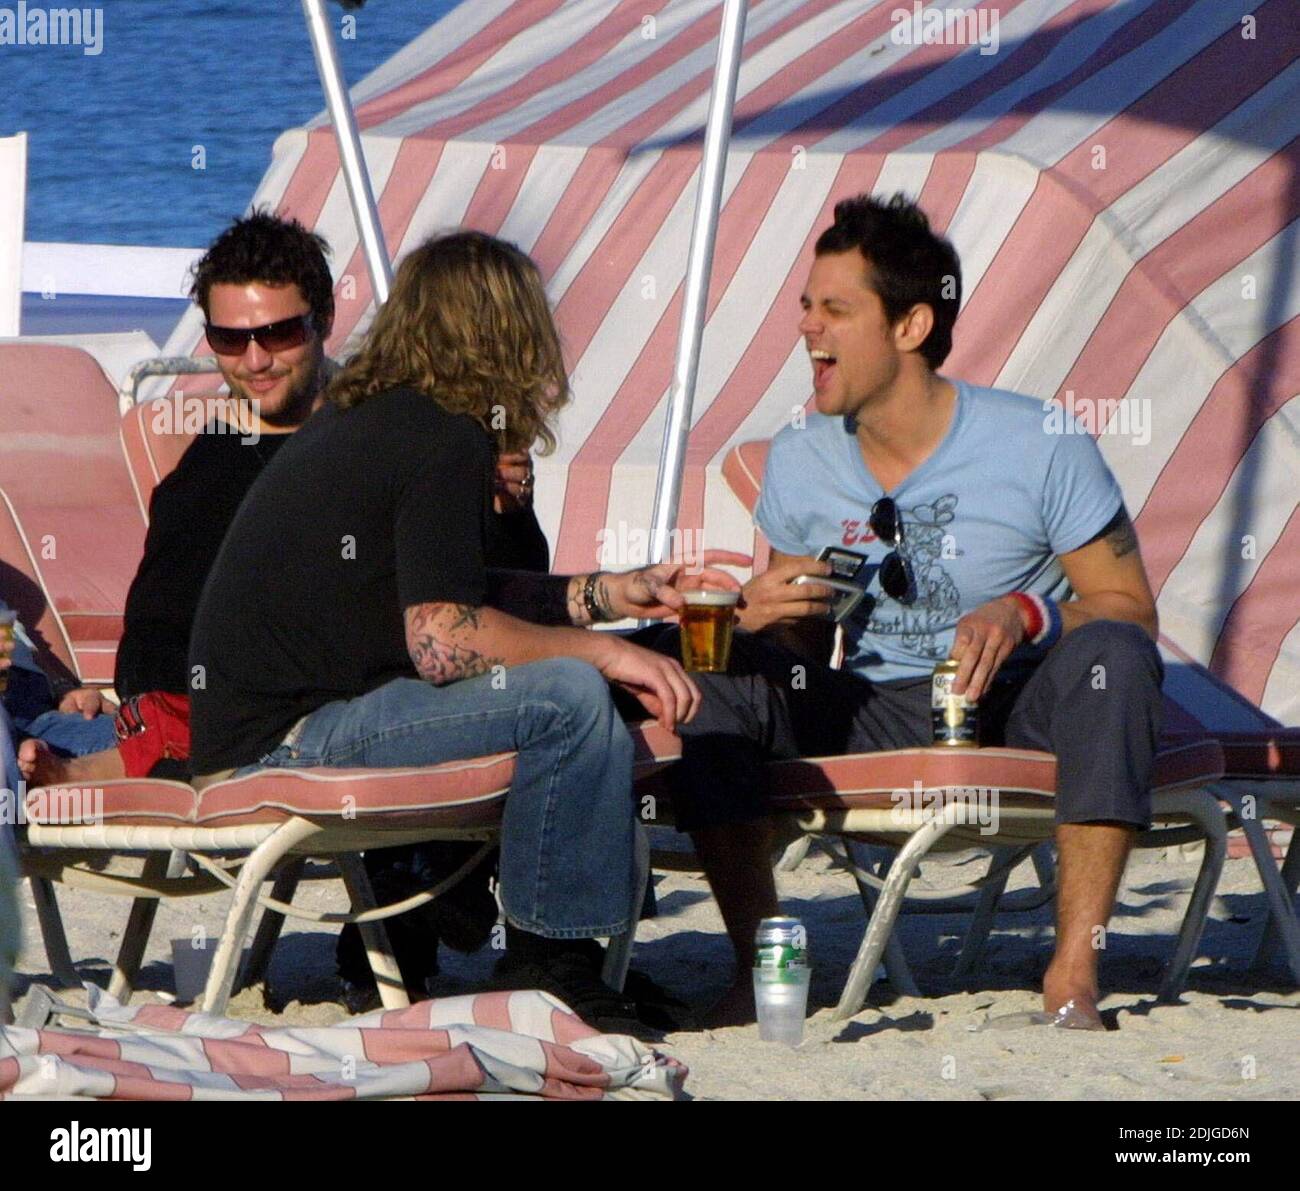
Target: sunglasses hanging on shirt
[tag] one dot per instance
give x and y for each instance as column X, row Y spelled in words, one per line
column 896, row 577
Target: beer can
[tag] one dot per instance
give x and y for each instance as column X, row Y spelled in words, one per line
column 781, row 945
column 953, row 718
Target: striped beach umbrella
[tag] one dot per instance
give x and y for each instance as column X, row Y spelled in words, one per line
column 1121, row 178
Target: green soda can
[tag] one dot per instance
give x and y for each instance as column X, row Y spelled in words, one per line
column 780, row 947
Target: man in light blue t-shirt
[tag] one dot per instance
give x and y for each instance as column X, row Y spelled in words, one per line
column 983, row 531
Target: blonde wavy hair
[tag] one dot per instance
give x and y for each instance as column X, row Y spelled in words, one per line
column 467, row 323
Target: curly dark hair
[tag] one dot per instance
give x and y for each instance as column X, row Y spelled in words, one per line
column 907, row 262
column 264, row 247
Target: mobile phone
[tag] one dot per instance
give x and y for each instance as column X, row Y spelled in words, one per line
column 845, row 564
column 845, row 597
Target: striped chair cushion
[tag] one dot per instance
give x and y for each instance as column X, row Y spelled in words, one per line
column 457, row 794
column 1022, row 777
column 467, row 793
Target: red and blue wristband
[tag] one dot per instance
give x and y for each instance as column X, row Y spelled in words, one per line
column 1042, row 618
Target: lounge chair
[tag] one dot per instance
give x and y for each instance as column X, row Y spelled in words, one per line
column 76, row 530
column 238, row 832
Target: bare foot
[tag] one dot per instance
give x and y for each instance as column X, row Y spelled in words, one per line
column 40, row 765
column 736, row 1008
column 1071, row 1000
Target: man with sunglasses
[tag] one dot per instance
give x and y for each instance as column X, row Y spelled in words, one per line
column 980, row 532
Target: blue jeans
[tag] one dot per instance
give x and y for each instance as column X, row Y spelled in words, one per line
column 31, row 713
column 569, row 827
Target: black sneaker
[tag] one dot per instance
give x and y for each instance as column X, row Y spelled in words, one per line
column 570, row 976
column 655, row 1005
column 414, row 949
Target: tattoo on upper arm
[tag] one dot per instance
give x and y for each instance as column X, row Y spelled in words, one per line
column 1118, row 533
column 439, row 640
column 1121, row 535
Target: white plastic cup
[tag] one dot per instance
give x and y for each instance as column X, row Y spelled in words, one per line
column 781, row 998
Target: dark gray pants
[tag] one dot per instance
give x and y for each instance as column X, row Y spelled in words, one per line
column 1094, row 701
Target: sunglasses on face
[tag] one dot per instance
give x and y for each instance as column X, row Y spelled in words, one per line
column 896, row 578
column 273, row 337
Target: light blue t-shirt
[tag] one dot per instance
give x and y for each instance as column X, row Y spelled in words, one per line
column 989, row 512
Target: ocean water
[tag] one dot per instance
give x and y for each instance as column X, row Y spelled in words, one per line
column 113, row 135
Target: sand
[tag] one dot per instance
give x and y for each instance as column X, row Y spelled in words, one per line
column 1234, row 1035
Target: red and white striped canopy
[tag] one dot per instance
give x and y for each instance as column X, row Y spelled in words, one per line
column 1121, row 178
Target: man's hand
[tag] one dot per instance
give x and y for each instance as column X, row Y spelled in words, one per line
column 86, row 700
column 6, row 648
column 513, row 483
column 984, row 639
column 659, row 683
column 655, row 592
column 772, row 599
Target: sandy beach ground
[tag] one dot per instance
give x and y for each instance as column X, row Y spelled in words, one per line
column 1234, row 1036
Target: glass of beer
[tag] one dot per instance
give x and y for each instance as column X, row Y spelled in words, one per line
column 6, row 634
column 706, row 630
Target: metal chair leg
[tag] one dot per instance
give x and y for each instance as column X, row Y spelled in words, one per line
column 1281, row 929
column 1003, row 862
column 268, row 930
column 135, row 938
column 261, row 861
column 881, row 924
column 794, row 854
column 52, row 934
column 897, row 970
column 379, row 951
column 1289, row 878
column 1203, row 808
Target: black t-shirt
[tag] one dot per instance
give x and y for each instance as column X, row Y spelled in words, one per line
column 189, row 513
column 364, row 513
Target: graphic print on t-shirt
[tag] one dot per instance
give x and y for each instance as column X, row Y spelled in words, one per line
column 927, row 541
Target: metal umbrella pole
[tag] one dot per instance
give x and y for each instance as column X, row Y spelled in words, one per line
column 344, row 120
column 708, row 200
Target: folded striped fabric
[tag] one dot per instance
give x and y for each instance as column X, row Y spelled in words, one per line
column 516, row 1045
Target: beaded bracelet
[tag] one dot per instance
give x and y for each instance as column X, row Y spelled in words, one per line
column 589, row 601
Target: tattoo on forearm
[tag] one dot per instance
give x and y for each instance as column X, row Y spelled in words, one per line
column 467, row 615
column 436, row 639
column 604, row 601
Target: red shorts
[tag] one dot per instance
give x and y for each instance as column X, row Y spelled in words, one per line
column 150, row 727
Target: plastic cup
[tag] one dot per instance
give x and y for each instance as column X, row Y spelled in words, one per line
column 781, row 998
column 706, row 623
